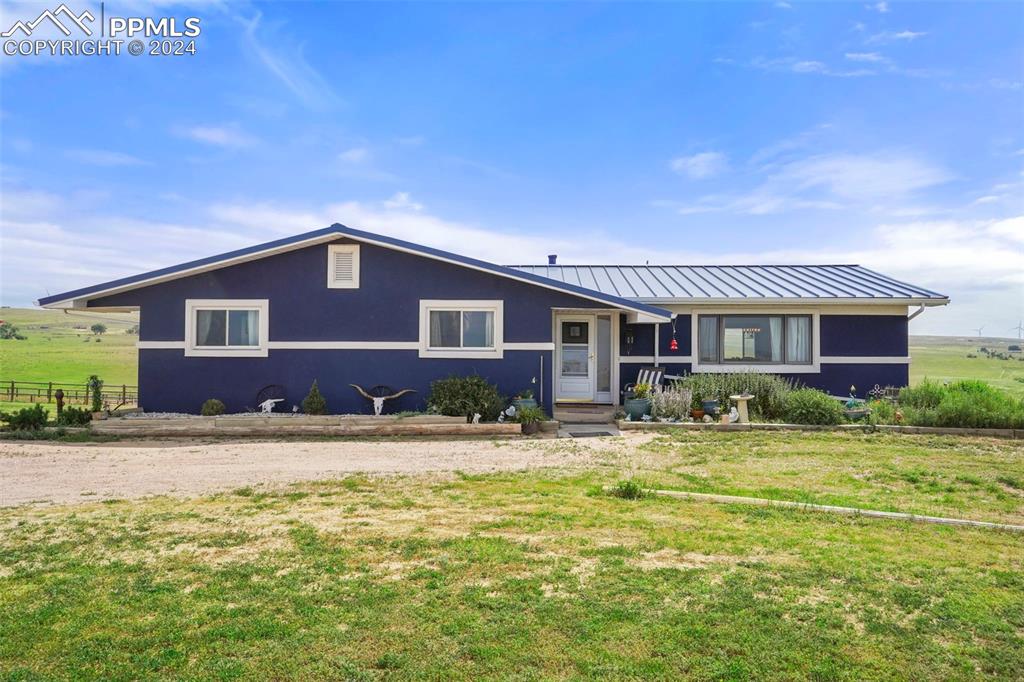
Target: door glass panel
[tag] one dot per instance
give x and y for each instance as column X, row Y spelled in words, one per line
column 575, row 332
column 574, row 361
column 604, row 353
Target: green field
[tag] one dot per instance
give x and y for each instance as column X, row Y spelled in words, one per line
column 540, row 575
column 944, row 358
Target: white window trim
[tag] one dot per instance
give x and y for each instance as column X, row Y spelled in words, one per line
column 494, row 353
column 343, row 248
column 194, row 304
column 774, row 368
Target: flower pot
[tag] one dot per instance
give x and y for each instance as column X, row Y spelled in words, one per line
column 710, row 406
column 697, row 414
column 725, row 418
column 531, row 428
column 636, row 408
column 520, row 403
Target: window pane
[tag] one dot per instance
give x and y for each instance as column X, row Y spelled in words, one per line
column 708, row 338
column 243, row 327
column 604, row 353
column 444, row 328
column 211, row 327
column 752, row 338
column 478, row 329
column 798, row 338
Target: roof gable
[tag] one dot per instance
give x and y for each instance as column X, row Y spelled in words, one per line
column 78, row 297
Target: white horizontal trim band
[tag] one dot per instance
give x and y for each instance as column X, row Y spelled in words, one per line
column 341, row 345
column 864, row 360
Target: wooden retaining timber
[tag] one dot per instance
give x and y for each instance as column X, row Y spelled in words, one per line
column 865, row 428
column 309, row 425
column 847, row 511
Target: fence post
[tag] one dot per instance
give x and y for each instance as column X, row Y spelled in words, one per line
column 49, row 393
column 12, row 391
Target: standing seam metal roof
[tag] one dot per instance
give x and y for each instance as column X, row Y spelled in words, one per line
column 653, row 283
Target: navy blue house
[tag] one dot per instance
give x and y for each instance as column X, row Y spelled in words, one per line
column 344, row 306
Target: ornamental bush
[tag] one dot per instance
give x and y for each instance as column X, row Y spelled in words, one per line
column 465, row 396
column 212, row 407
column 961, row 404
column 810, row 406
column 314, row 402
column 26, row 419
column 769, row 391
column 74, row 416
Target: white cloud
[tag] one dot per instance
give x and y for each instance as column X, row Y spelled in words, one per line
column 103, row 157
column 783, row 5
column 700, row 166
column 286, row 61
column 219, row 136
column 866, row 57
column 355, row 155
column 402, row 200
column 893, row 36
column 880, row 7
column 805, row 66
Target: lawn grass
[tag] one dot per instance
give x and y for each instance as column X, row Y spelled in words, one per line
column 945, row 359
column 54, row 350
column 527, row 575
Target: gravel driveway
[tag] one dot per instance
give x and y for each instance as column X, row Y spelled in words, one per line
column 46, row 473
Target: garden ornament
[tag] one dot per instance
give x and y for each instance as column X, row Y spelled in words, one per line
column 476, row 417
column 267, row 406
column 379, row 394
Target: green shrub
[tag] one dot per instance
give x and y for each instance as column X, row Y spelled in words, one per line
column 74, row 416
column 26, row 419
column 961, row 404
column 464, row 397
column 926, row 394
column 314, row 402
column 629, row 490
column 769, row 391
column 95, row 385
column 211, row 408
column 882, row 412
column 810, row 406
column 530, row 415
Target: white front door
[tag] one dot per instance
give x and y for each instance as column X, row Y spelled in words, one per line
column 576, row 367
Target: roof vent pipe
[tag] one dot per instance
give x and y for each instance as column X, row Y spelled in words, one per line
column 552, row 259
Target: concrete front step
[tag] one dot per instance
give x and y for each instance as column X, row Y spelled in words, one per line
column 585, row 414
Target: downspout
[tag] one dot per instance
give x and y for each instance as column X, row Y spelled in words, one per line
column 917, row 312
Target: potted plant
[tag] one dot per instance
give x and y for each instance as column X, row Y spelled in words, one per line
column 640, row 404
column 530, row 418
column 524, row 399
column 697, row 408
column 710, row 407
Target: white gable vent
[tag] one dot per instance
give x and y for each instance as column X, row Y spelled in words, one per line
column 343, row 266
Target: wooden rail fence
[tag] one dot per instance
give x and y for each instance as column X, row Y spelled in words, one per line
column 74, row 394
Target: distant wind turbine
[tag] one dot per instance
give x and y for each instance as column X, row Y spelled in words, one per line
column 978, row 329
column 1019, row 329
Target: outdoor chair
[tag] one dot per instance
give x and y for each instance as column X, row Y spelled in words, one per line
column 652, row 376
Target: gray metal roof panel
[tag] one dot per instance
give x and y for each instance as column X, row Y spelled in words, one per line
column 740, row 282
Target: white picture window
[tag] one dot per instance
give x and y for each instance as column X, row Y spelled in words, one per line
column 343, row 266
column 461, row 329
column 755, row 339
column 226, row 327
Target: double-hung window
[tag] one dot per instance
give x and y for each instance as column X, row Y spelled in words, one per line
column 755, row 339
column 226, row 327
column 461, row 329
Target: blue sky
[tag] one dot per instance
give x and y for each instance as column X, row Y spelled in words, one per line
column 889, row 134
